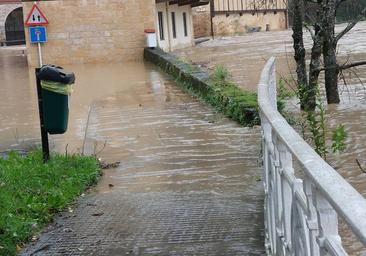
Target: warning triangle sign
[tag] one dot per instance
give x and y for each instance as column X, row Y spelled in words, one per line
column 36, row 17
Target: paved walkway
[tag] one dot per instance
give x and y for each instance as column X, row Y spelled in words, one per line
column 188, row 182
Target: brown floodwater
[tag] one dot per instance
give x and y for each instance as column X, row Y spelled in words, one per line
column 188, row 182
column 168, row 141
column 245, row 56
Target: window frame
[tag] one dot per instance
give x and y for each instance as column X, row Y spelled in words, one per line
column 174, row 26
column 185, row 27
column 161, row 26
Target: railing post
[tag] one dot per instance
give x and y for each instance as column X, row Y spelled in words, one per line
column 312, row 221
column 268, row 186
column 286, row 170
column 327, row 222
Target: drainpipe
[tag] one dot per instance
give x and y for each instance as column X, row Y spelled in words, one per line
column 168, row 25
column 212, row 15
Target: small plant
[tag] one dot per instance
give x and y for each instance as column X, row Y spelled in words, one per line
column 220, row 75
column 313, row 124
column 190, row 67
column 316, row 124
column 338, row 138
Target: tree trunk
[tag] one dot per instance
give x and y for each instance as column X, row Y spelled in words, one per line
column 329, row 51
column 297, row 35
column 314, row 67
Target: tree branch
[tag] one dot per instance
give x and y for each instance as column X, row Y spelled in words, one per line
column 352, row 65
column 308, row 28
column 351, row 25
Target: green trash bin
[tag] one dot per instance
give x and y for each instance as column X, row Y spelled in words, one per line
column 56, row 87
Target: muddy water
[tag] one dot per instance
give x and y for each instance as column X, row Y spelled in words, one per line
column 188, row 182
column 19, row 110
column 245, row 56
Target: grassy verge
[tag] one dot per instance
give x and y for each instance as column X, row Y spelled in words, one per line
column 216, row 87
column 32, row 192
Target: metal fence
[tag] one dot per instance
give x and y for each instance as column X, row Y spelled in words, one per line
column 301, row 215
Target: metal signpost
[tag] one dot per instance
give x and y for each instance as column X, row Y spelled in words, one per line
column 37, row 34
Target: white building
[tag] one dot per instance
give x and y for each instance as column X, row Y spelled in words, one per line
column 174, row 23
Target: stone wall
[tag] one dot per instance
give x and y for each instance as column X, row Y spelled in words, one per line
column 234, row 24
column 5, row 10
column 89, row 31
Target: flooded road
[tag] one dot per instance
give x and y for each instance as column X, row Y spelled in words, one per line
column 245, row 56
column 188, row 182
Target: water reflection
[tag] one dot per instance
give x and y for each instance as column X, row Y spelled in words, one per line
column 19, row 126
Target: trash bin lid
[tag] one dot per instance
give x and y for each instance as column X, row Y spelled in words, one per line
column 56, row 74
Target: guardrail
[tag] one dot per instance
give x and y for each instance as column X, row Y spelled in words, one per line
column 301, row 215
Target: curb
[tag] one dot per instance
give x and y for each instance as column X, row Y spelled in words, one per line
column 198, row 81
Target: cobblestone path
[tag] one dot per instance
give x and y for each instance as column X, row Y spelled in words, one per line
column 188, row 182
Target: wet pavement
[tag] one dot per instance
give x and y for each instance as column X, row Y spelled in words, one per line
column 188, row 182
column 245, row 56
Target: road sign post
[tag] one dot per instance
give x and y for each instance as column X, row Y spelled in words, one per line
column 37, row 35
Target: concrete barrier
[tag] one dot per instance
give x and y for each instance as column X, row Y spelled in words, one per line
column 239, row 104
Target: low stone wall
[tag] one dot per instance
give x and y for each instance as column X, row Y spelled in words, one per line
column 234, row 102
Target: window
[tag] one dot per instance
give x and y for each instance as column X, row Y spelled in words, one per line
column 185, row 24
column 161, row 25
column 173, row 25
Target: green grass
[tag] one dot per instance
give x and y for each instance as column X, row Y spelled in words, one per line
column 32, row 192
column 238, row 104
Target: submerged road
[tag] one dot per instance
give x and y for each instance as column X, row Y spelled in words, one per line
column 188, row 183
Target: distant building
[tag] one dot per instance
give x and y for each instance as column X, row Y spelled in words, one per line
column 232, row 17
column 11, row 22
column 88, row 31
column 174, row 23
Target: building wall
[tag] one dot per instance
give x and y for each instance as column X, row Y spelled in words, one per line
column 5, row 10
column 169, row 43
column 89, row 31
column 235, row 24
column 225, row 24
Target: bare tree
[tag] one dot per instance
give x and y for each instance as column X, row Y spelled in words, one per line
column 325, row 42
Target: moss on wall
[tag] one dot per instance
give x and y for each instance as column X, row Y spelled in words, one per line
column 234, row 102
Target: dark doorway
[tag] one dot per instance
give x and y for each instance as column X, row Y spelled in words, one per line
column 14, row 28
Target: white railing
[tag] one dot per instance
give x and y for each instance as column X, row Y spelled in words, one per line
column 301, row 215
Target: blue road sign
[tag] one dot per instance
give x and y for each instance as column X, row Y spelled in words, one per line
column 37, row 34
